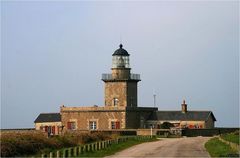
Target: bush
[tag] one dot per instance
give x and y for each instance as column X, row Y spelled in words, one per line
column 16, row 144
column 29, row 143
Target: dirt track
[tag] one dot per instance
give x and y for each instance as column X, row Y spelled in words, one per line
column 168, row 147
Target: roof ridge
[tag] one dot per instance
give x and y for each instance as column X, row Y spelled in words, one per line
column 51, row 113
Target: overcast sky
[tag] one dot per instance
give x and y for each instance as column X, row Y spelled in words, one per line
column 54, row 53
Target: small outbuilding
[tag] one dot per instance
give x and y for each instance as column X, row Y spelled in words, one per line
column 49, row 123
column 182, row 118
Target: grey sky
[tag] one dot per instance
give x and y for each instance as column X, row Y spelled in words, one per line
column 54, row 53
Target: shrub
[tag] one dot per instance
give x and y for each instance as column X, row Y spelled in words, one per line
column 29, row 143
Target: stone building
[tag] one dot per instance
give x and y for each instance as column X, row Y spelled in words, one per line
column 49, row 123
column 182, row 118
column 121, row 110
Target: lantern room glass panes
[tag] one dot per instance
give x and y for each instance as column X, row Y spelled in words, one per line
column 119, row 61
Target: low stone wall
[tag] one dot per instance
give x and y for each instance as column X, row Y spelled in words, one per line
column 20, row 130
column 128, row 132
column 145, row 132
column 207, row 132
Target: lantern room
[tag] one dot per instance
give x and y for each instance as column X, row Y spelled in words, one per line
column 120, row 58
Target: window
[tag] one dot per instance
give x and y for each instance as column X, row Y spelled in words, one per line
column 92, row 125
column 115, row 101
column 115, row 125
column 71, row 125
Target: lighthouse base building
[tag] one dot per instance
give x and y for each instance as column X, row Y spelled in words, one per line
column 121, row 109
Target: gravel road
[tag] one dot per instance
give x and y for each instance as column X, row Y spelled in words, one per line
column 168, row 147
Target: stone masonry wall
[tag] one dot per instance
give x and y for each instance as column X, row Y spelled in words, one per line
column 116, row 90
column 209, row 123
column 102, row 117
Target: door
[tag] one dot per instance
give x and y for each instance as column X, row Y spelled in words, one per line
column 117, row 125
column 53, row 130
column 46, row 129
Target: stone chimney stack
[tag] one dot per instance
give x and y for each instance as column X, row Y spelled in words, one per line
column 184, row 107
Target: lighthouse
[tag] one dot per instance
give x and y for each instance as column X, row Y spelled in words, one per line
column 120, row 88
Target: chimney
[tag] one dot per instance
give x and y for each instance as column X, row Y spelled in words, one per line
column 184, row 107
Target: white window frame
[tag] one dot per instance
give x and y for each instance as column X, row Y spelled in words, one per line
column 113, row 124
column 115, row 102
column 92, row 125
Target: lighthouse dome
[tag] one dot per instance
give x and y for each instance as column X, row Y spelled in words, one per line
column 120, row 51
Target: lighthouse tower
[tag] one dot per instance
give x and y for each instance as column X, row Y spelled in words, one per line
column 121, row 84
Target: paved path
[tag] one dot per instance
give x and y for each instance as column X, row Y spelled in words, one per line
column 168, row 147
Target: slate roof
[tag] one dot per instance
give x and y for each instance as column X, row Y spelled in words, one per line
column 121, row 51
column 48, row 117
column 178, row 115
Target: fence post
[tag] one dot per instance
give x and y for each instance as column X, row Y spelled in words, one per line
column 58, row 154
column 64, row 153
column 50, row 155
column 103, row 144
column 96, row 146
column 92, row 146
column 79, row 150
column 99, row 145
column 75, row 151
column 69, row 152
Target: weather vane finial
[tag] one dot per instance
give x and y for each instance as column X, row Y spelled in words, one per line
column 120, row 41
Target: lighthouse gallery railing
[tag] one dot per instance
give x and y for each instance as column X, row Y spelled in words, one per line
column 110, row 77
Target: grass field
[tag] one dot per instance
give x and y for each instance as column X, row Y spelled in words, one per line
column 217, row 148
column 231, row 137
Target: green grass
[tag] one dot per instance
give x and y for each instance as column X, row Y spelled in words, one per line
column 231, row 137
column 115, row 148
column 217, row 148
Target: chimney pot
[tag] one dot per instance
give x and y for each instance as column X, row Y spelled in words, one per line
column 184, row 107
